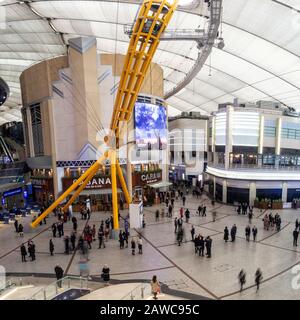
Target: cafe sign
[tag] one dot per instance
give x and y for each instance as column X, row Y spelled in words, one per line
column 144, row 178
column 95, row 183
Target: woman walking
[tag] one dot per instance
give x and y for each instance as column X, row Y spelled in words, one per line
column 155, row 287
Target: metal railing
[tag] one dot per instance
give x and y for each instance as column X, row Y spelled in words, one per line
column 256, row 167
column 8, row 285
column 60, row 286
column 139, row 292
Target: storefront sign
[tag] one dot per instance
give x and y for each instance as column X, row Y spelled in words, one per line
column 95, row 183
column 12, row 192
column 144, row 178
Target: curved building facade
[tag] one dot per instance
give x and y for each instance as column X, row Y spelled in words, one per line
column 254, row 154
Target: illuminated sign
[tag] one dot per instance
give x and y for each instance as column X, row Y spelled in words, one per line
column 12, row 192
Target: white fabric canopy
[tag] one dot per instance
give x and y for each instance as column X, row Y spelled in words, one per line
column 260, row 60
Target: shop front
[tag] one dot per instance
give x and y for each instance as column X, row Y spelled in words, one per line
column 143, row 181
column 42, row 189
column 97, row 192
column 14, row 197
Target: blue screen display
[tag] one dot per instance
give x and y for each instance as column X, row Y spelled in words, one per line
column 150, row 126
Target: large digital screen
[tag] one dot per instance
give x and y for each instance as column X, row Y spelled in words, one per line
column 150, row 126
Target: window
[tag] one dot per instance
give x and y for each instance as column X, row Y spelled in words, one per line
column 270, row 132
column 37, row 131
column 26, row 136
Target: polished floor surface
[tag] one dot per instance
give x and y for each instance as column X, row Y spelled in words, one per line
column 176, row 266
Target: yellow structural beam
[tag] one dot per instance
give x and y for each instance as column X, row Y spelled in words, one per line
column 56, row 203
column 114, row 188
column 123, row 183
column 81, row 187
column 151, row 22
column 153, row 18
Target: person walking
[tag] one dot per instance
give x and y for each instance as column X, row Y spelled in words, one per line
column 140, row 245
column 157, row 215
column 20, row 230
column 125, row 237
column 242, row 279
column 180, row 235
column 133, row 245
column 94, row 233
column 187, row 215
column 54, row 229
column 247, row 233
column 101, row 239
column 16, row 224
column 73, row 240
column 59, row 272
column 121, row 240
column 258, row 278
column 199, row 210
column 105, row 274
column 233, row 232
column 254, row 233
column 67, row 247
column 175, row 224
column 193, row 233
column 250, row 216
column 23, row 252
column 51, row 247
column 201, row 246
column 226, row 234
column 295, row 237
column 204, row 211
column 183, row 201
column 155, row 287
column 208, row 244
column 214, row 215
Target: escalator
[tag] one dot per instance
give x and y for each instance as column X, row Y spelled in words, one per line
column 6, row 156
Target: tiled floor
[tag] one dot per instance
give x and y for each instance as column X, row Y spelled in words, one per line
column 178, row 267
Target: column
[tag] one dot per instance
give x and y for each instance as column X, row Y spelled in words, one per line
column 278, row 141
column 224, row 199
column 228, row 147
column 261, row 139
column 252, row 193
column 214, row 191
column 213, row 133
column 284, row 191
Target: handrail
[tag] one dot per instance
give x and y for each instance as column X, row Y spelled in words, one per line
column 55, row 285
column 139, row 291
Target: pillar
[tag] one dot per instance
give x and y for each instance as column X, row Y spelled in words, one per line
column 278, row 141
column 214, row 190
column 252, row 193
column 228, row 146
column 261, row 139
column 284, row 192
column 224, row 199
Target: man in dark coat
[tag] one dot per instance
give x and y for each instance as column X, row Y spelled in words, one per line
column 16, row 224
column 201, row 246
column 233, row 232
column 59, row 272
column 51, row 247
column 208, row 244
column 295, row 236
column 54, row 229
column 193, row 233
column 23, row 253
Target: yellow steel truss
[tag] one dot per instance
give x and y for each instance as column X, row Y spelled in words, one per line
column 153, row 18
